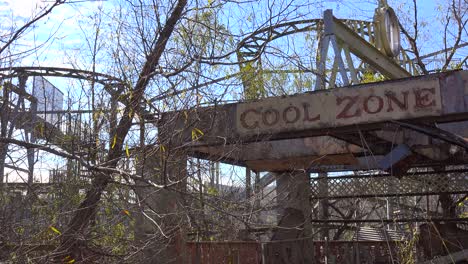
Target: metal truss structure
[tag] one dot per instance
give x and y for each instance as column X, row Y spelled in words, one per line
column 69, row 134
column 399, row 151
column 347, row 37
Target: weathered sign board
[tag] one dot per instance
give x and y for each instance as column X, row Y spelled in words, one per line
column 340, row 107
column 325, row 129
column 436, row 97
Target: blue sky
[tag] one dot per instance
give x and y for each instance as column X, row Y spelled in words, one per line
column 65, row 36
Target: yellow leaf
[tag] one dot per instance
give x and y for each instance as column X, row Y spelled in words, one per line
column 463, row 215
column 115, row 140
column 126, row 150
column 126, row 212
column 199, row 131
column 69, row 260
column 162, row 148
column 55, row 230
column 196, row 133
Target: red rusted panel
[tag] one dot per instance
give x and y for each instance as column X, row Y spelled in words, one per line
column 292, row 251
column 225, row 253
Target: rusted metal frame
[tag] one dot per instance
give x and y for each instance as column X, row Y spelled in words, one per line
column 370, row 32
column 29, row 129
column 206, row 156
column 101, row 78
column 292, row 135
column 20, row 92
column 15, row 109
column 334, row 73
column 324, row 43
column 273, row 33
column 407, row 63
column 366, row 140
column 371, row 143
column 106, row 80
column 310, row 24
column 16, row 168
column 53, row 133
column 363, row 28
column 258, row 35
column 350, row 63
column 436, row 133
column 405, row 206
column 329, row 36
column 266, row 180
column 338, row 65
column 397, row 160
column 365, row 51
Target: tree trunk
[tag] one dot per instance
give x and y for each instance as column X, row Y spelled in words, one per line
column 73, row 239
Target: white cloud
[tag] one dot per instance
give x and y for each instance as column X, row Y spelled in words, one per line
column 23, row 8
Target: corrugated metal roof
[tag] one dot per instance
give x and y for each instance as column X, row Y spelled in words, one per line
column 377, row 234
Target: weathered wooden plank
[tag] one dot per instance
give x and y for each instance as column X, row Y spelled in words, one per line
column 302, row 163
column 281, row 149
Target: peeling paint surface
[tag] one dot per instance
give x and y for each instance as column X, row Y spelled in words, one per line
column 341, row 107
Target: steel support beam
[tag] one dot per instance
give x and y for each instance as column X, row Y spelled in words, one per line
column 368, row 53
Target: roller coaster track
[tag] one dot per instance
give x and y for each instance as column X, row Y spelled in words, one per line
column 251, row 48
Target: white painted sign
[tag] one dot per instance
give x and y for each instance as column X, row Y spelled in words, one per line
column 341, row 107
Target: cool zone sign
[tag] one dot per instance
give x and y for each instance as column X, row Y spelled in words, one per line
column 340, row 107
